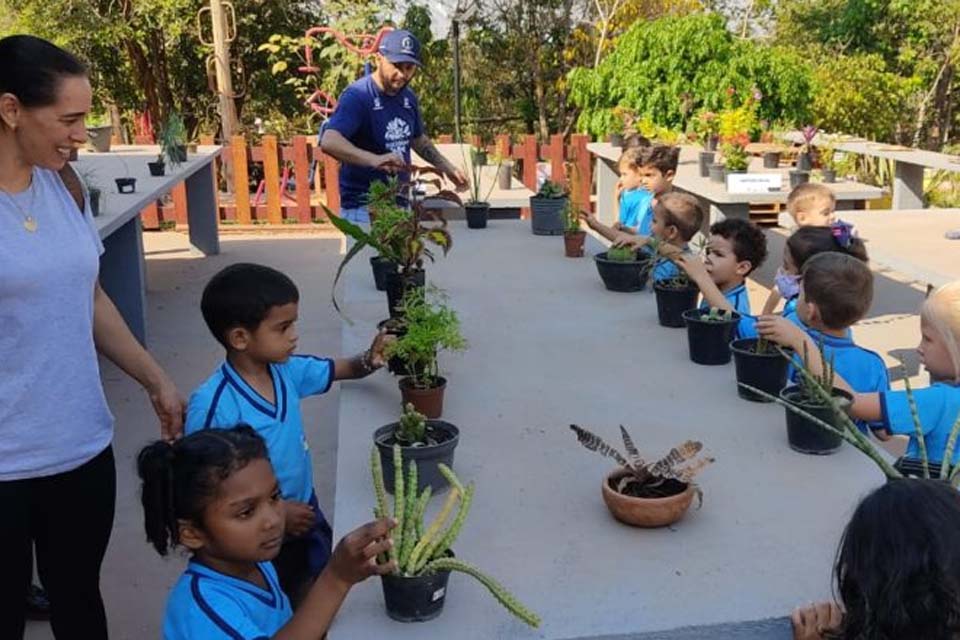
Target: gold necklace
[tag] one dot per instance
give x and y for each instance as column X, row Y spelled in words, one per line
column 29, row 222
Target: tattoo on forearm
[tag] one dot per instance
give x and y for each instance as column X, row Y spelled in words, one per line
column 425, row 148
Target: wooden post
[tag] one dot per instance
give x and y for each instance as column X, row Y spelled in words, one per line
column 555, row 155
column 584, row 171
column 331, row 176
column 241, row 178
column 503, row 145
column 179, row 194
column 301, row 173
column 271, row 178
column 529, row 157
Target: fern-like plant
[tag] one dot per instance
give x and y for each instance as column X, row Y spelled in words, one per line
column 551, row 189
column 421, row 550
column 648, row 479
column 173, row 137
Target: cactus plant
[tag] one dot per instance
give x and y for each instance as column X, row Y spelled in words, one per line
column 413, row 427
column 418, row 550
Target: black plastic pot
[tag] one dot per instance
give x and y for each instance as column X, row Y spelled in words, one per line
column 712, row 142
column 397, row 284
column 671, row 303
column 717, row 173
column 126, row 185
column 803, row 435
column 771, row 159
column 157, row 169
column 622, row 276
column 427, row 457
column 706, row 159
column 764, row 371
column 477, row 214
column 913, row 467
column 709, row 340
column 415, row 599
column 381, row 267
column 391, row 327
column 546, row 215
column 830, row 176
column 804, row 162
column 798, row 178
column 616, row 139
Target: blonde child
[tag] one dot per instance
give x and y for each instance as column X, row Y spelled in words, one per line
column 677, row 217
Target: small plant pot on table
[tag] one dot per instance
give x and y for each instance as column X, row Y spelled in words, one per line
column 573, row 243
column 805, row 436
column 761, row 366
column 709, row 333
column 157, row 169
column 477, row 214
column 427, row 400
column 547, row 209
column 397, row 285
column 415, row 598
column 126, row 185
column 622, row 270
column 381, row 267
column 435, row 445
column 649, row 508
column 672, row 301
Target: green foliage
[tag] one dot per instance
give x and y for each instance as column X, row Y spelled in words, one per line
column 551, row 189
column 571, row 218
column 622, row 254
column 419, row 551
column 431, row 326
column 173, row 135
column 808, row 384
column 667, row 69
column 735, row 157
column 413, row 426
column 715, row 314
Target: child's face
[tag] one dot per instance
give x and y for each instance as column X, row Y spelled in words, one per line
column 630, row 176
column 275, row 339
column 244, row 522
column 654, row 181
column 934, row 354
column 662, row 231
column 722, row 264
column 814, row 217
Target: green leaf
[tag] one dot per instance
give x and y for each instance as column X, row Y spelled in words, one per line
column 278, row 67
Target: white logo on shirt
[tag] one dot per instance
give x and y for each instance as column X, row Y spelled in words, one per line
column 377, row 105
column 397, row 136
column 406, row 102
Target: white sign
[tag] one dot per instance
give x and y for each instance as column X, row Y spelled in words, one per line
column 754, row 182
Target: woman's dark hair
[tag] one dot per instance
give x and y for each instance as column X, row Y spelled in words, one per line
column 898, row 566
column 32, row 69
column 180, row 478
column 806, row 242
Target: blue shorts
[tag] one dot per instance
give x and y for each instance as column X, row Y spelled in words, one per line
column 301, row 559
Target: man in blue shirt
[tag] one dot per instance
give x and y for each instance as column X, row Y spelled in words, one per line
column 377, row 123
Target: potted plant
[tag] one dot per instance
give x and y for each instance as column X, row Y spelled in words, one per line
column 430, row 327
column 126, row 184
column 616, row 130
column 100, row 133
column 674, row 296
column 771, row 159
column 717, row 172
column 827, row 156
column 417, row 589
column 802, row 435
column 760, row 364
column 804, row 161
column 173, row 139
column 401, row 236
column 709, row 332
column 623, row 269
column 546, row 209
column 157, row 167
column 798, row 177
column 573, row 235
column 706, row 127
column 648, row 494
column 477, row 206
column 427, row 443
column 735, row 158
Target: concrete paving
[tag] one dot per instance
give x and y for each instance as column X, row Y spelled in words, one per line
column 550, row 347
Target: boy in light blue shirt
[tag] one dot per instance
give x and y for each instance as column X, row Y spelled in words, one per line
column 835, row 292
column 734, row 250
column 252, row 311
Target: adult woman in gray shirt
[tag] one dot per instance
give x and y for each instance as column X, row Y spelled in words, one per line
column 57, row 478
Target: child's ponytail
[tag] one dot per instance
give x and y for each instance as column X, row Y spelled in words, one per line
column 155, row 468
column 179, row 479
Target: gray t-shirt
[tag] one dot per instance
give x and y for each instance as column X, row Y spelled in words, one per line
column 53, row 414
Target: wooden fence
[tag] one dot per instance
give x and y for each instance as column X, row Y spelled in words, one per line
column 282, row 192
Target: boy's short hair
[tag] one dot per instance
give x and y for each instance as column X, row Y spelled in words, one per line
column 806, row 242
column 748, row 240
column 632, row 154
column 661, row 157
column 681, row 210
column 840, row 285
column 242, row 295
column 812, row 197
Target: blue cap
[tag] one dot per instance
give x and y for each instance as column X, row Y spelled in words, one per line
column 400, row 46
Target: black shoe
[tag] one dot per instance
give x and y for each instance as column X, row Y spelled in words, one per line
column 38, row 606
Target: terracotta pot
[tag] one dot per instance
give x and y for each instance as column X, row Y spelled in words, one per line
column 429, row 402
column 573, row 244
column 645, row 512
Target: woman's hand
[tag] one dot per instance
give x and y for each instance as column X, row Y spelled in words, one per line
column 170, row 408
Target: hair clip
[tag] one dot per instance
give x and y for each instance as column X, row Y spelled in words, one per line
column 842, row 233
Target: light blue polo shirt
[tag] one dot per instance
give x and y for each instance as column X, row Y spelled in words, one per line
column 740, row 301
column 938, row 406
column 207, row 604
column 665, row 268
column 863, row 369
column 225, row 400
column 636, row 210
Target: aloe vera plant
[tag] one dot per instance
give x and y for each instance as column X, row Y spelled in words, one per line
column 681, row 462
column 420, row 549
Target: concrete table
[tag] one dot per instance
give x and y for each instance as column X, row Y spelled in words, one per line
column 912, row 242
column 549, row 346
column 713, row 195
column 122, row 268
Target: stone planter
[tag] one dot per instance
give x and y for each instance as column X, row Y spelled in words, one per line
column 799, row 177
column 706, row 159
column 717, row 172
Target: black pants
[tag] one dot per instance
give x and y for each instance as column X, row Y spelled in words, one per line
column 68, row 517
